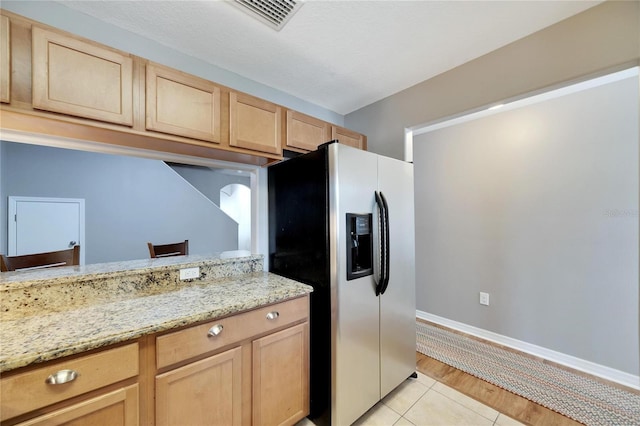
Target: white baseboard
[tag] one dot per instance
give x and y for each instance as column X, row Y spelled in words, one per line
column 585, row 366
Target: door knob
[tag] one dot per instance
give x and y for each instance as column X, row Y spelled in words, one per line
column 72, row 243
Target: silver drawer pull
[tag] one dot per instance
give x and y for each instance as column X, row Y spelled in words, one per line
column 61, row 377
column 273, row 315
column 215, row 330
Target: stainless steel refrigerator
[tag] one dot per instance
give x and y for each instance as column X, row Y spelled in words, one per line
column 342, row 220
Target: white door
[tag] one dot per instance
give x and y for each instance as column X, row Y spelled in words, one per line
column 39, row 225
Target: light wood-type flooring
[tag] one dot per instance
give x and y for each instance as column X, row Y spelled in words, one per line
column 505, row 402
column 443, row 395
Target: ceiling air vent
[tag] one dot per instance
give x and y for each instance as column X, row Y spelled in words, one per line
column 275, row 13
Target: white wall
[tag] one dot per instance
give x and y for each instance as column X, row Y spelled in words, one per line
column 235, row 200
column 539, row 207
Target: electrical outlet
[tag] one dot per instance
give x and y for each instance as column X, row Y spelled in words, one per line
column 484, row 298
column 190, row 273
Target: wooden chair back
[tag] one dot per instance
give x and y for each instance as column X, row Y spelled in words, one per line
column 166, row 250
column 41, row 260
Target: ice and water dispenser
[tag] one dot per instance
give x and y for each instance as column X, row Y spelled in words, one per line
column 359, row 245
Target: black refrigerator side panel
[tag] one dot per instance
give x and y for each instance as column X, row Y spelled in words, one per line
column 298, row 219
column 299, row 249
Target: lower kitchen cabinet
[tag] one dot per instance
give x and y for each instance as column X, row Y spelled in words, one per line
column 69, row 382
column 281, row 376
column 247, row 368
column 205, row 392
column 209, row 391
column 116, row 408
column 251, row 367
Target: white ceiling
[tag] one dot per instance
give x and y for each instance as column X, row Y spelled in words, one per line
column 340, row 55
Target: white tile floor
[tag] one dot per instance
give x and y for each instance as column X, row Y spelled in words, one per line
column 424, row 401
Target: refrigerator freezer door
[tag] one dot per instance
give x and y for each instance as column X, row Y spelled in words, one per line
column 355, row 307
column 397, row 304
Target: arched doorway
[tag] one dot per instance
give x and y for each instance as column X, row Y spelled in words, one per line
column 235, row 201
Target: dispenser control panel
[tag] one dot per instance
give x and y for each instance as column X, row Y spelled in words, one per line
column 359, row 245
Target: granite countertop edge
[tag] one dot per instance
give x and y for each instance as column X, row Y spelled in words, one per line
column 10, row 281
column 37, row 339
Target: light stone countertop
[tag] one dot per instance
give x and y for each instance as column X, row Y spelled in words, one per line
column 126, row 268
column 28, row 338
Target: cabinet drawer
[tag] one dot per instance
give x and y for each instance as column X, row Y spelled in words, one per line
column 28, row 391
column 191, row 342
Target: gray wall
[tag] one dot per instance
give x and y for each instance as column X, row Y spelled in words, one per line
column 597, row 41
column 604, row 37
column 539, row 207
column 128, row 201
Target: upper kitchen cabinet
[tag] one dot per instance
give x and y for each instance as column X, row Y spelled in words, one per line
column 254, row 124
column 348, row 137
column 5, row 63
column 81, row 78
column 182, row 104
column 305, row 132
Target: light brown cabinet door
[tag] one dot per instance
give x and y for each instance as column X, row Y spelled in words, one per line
column 182, row 104
column 305, row 132
column 5, row 62
column 117, row 408
column 254, row 123
column 79, row 78
column 281, row 376
column 348, row 137
column 206, row 392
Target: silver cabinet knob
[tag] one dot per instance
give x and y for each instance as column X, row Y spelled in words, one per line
column 72, row 243
column 215, row 330
column 61, row 377
column 273, row 315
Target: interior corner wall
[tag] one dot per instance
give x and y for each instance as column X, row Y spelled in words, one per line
column 537, row 206
column 593, row 42
column 209, row 181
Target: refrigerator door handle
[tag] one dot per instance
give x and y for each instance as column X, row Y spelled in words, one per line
column 387, row 246
column 383, row 233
